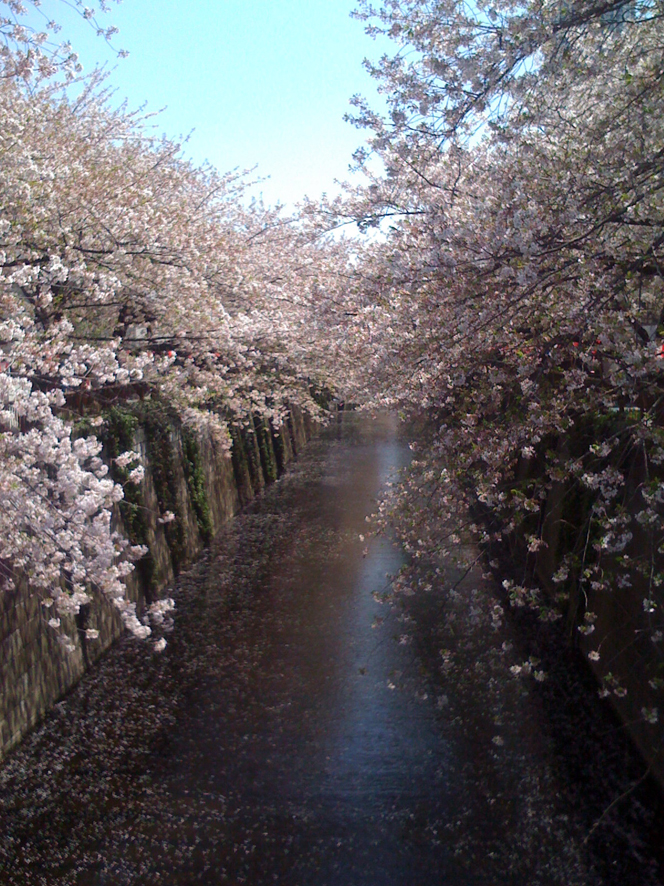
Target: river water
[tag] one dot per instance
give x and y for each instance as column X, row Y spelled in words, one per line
column 300, row 731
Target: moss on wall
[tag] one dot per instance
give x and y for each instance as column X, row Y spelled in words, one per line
column 195, row 476
column 119, row 435
column 268, row 457
column 159, row 422
column 241, row 466
column 280, row 447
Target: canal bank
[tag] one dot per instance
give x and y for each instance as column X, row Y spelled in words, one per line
column 298, row 730
column 192, row 486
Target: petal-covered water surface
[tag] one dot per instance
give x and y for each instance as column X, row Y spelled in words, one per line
column 298, row 730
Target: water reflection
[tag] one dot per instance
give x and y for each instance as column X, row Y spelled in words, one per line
column 314, row 736
column 346, row 775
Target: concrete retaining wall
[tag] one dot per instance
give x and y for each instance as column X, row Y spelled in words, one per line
column 193, row 477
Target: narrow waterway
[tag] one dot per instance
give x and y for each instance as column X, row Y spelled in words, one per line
column 299, row 731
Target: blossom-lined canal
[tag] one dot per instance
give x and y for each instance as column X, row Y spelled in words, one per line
column 299, row 731
column 327, row 773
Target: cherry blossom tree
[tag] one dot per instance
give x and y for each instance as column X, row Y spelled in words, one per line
column 514, row 292
column 29, row 44
column 127, row 272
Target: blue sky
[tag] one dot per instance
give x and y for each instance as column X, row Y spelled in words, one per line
column 262, row 82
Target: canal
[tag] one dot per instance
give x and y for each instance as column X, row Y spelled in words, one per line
column 300, row 730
